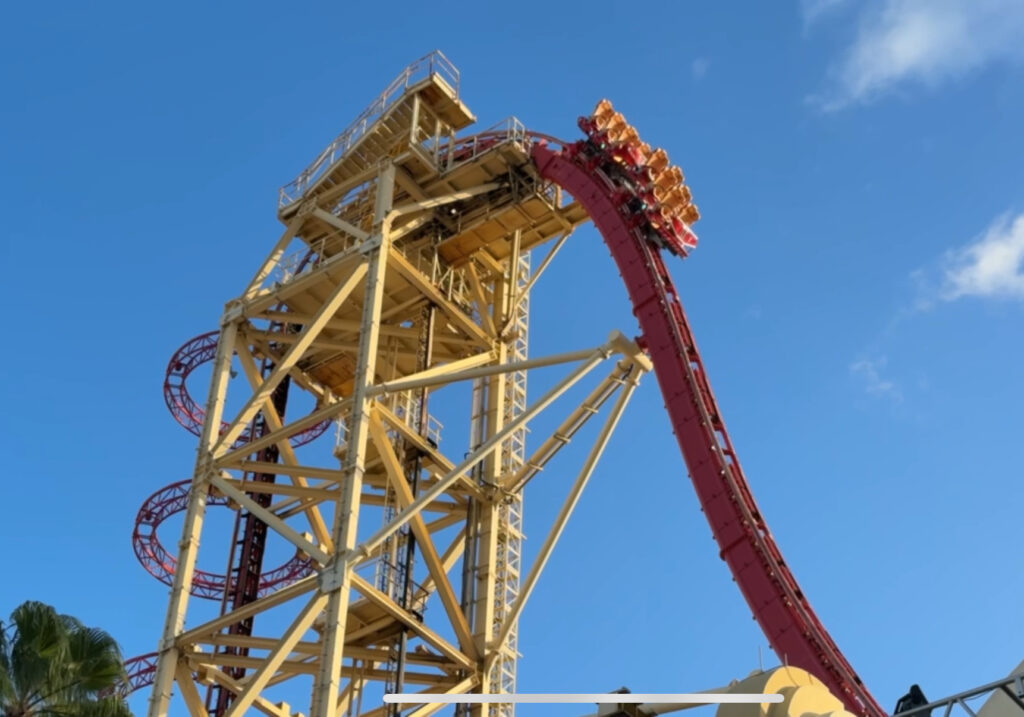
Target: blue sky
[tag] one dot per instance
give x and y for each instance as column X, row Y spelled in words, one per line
column 857, row 296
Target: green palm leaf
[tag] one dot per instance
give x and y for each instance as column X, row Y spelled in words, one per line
column 53, row 665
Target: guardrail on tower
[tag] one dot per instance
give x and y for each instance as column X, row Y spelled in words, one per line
column 429, row 65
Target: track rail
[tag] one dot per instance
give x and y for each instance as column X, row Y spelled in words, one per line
column 139, row 672
column 192, row 354
column 784, row 614
column 161, row 563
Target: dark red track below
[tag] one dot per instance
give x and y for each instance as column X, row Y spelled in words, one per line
column 771, row 591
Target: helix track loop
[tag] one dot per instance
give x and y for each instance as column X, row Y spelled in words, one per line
column 139, row 673
column 603, row 176
column 161, row 564
column 173, row 499
column 194, row 353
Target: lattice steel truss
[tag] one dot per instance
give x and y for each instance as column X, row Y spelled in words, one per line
column 411, row 275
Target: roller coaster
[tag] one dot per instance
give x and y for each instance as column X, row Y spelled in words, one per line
column 413, row 274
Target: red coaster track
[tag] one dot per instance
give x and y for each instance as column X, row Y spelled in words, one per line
column 192, row 354
column 161, row 564
column 587, row 171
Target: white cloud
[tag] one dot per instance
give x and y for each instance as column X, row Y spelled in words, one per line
column 924, row 42
column 699, row 67
column 814, row 10
column 992, row 266
column 869, row 371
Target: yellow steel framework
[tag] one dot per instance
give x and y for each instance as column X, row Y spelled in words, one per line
column 415, row 277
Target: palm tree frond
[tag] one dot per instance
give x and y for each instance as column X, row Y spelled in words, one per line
column 52, row 664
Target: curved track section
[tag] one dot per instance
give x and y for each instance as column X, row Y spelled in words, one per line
column 193, row 354
column 161, row 564
column 589, row 174
column 139, row 673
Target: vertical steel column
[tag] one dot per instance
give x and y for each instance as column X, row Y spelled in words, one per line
column 513, row 457
column 174, row 624
column 414, row 465
column 248, row 546
column 488, row 513
column 335, row 578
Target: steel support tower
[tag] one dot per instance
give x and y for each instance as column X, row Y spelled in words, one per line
column 402, row 273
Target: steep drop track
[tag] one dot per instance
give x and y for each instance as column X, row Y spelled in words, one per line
column 790, row 625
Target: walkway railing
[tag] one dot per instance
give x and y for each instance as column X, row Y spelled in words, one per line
column 1012, row 688
column 433, row 64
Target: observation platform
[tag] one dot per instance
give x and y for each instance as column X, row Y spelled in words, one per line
column 443, row 251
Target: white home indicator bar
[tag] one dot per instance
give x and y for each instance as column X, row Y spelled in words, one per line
column 582, row 698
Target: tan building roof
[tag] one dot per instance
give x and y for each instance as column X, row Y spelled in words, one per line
column 999, row 704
